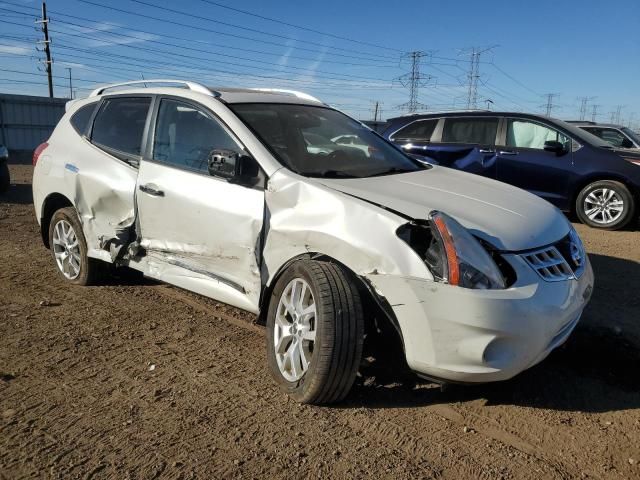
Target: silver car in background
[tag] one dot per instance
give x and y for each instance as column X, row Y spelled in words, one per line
column 243, row 195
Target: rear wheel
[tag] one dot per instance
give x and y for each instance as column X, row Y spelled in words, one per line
column 605, row 204
column 69, row 249
column 315, row 331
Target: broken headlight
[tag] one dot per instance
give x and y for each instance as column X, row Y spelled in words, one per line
column 452, row 254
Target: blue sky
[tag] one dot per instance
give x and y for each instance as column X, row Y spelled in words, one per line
column 572, row 48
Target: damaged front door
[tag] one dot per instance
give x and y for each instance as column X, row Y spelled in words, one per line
column 199, row 230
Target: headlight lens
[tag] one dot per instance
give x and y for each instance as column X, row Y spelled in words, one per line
column 452, row 254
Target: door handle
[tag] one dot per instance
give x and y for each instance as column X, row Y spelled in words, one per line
column 487, row 150
column 507, row 152
column 151, row 189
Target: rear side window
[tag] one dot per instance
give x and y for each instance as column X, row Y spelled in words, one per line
column 119, row 124
column 80, row 119
column 420, row 130
column 470, row 130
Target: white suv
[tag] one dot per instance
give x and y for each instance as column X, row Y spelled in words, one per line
column 220, row 191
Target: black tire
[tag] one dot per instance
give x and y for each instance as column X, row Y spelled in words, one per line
column 621, row 192
column 4, row 177
column 91, row 269
column 339, row 325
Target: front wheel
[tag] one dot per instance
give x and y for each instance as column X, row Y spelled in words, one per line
column 605, row 204
column 315, row 331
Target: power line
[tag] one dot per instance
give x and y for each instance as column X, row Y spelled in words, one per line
column 339, row 37
column 212, row 20
column 217, row 32
column 414, row 79
column 192, row 40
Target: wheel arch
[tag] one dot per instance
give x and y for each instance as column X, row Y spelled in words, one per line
column 52, row 203
column 379, row 315
column 597, row 177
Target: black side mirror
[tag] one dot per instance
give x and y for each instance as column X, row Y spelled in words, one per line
column 554, row 146
column 232, row 165
column 626, row 143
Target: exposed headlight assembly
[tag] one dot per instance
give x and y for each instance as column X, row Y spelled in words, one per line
column 452, row 254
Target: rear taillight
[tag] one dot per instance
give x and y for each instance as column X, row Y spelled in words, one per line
column 38, row 151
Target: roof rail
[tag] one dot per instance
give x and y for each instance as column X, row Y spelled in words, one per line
column 196, row 87
column 295, row 93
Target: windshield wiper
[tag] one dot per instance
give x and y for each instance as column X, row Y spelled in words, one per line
column 329, row 174
column 392, row 171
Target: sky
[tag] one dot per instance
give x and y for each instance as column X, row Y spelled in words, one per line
column 349, row 54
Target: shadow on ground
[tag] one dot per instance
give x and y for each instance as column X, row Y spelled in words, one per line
column 18, row 194
column 597, row 370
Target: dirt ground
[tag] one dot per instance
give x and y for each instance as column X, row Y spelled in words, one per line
column 136, row 379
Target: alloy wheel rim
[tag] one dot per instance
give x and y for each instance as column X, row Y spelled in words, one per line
column 603, row 206
column 294, row 333
column 66, row 249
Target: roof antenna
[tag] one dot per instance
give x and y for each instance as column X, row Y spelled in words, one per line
column 142, row 75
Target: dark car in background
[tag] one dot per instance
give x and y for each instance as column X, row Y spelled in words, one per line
column 567, row 166
column 4, row 169
column 616, row 135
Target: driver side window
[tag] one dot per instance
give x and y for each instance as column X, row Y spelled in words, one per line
column 185, row 136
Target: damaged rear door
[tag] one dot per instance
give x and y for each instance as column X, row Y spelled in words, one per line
column 200, row 231
column 104, row 170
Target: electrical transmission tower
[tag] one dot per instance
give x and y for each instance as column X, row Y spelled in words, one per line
column 47, row 50
column 414, row 80
column 594, row 112
column 549, row 106
column 473, row 75
column 583, row 106
column 618, row 112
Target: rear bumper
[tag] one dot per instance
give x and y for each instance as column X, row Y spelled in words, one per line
column 473, row 336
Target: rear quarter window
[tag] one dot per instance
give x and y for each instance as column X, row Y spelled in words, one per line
column 80, row 120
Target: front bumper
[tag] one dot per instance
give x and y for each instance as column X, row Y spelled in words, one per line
column 471, row 336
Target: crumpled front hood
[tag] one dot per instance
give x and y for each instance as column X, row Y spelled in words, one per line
column 505, row 216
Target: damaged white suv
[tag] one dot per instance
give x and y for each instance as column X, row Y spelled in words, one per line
column 242, row 195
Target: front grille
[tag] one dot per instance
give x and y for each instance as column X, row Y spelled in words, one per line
column 550, row 264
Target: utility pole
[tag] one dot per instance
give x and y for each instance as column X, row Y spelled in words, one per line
column 473, row 75
column 70, row 84
column 47, row 49
column 594, row 112
column 375, row 112
column 414, row 80
column 583, row 106
column 549, row 105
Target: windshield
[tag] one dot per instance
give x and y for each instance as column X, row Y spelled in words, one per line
column 322, row 142
column 631, row 134
column 583, row 135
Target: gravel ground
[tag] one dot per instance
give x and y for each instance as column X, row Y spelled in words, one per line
column 137, row 379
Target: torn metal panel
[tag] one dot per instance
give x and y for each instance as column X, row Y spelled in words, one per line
column 306, row 216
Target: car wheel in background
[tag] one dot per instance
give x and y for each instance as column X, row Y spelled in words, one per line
column 605, row 204
column 315, row 331
column 69, row 249
column 4, row 177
